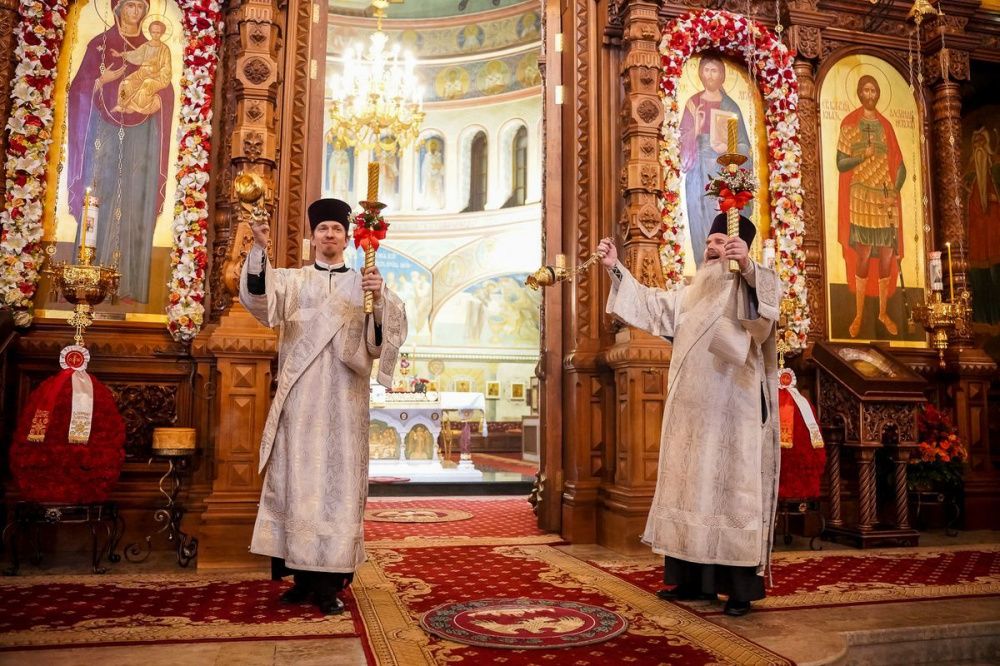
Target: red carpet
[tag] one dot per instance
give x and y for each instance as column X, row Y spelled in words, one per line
column 399, row 585
column 65, row 611
column 843, row 578
column 497, row 521
column 511, row 462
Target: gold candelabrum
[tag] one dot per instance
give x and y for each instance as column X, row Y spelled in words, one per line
column 941, row 318
column 86, row 283
column 549, row 275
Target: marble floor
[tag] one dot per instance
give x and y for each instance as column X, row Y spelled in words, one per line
column 947, row 631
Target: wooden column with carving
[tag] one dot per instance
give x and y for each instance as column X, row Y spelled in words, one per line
column 582, row 395
column 971, row 368
column 241, row 349
column 805, row 37
column 639, row 361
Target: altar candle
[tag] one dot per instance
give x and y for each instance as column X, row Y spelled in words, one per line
column 88, row 237
column 951, row 275
column 732, row 135
column 937, row 278
column 769, row 252
column 373, row 181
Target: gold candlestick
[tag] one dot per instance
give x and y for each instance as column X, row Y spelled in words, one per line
column 372, row 205
column 732, row 161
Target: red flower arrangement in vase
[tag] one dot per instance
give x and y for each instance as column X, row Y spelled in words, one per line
column 940, row 464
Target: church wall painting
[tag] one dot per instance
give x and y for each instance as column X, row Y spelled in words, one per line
column 981, row 178
column 430, row 194
column 873, row 201
column 115, row 132
column 712, row 90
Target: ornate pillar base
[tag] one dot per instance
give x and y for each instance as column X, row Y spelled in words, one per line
column 640, row 363
column 622, row 519
column 579, row 511
column 243, row 351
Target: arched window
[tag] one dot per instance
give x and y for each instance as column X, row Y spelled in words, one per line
column 477, row 174
column 519, row 169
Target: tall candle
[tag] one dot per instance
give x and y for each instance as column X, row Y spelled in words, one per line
column 937, row 278
column 732, row 135
column 88, row 236
column 951, row 275
column 373, row 181
column 769, row 253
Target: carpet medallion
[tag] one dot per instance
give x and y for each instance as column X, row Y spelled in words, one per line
column 523, row 623
column 416, row 515
column 49, row 611
column 399, row 586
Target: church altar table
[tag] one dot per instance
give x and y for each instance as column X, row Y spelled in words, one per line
column 404, row 432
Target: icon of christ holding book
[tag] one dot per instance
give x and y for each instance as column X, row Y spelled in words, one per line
column 703, row 134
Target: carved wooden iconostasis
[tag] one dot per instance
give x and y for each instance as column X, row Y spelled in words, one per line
column 604, row 165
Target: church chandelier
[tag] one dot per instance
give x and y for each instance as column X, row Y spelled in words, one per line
column 377, row 100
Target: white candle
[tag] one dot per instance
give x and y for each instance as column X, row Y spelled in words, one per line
column 769, row 253
column 937, row 275
column 90, row 211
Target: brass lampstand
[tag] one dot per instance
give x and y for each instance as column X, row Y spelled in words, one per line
column 86, row 283
column 940, row 318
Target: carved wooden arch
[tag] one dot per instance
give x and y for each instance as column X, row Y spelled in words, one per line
column 923, row 122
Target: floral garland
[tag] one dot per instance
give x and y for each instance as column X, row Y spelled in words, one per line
column 39, row 33
column 189, row 257
column 771, row 61
column 39, row 36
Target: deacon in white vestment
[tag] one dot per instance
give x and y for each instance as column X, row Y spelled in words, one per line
column 314, row 450
column 712, row 516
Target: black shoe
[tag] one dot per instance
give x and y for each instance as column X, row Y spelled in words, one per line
column 331, row 606
column 295, row 595
column 678, row 594
column 736, row 608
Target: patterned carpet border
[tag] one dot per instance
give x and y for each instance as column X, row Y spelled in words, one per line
column 450, row 542
column 393, row 636
column 101, row 611
column 824, row 579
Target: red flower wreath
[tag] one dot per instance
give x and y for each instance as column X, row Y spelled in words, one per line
column 55, row 471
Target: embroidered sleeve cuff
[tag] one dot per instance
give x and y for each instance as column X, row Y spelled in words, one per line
column 750, row 274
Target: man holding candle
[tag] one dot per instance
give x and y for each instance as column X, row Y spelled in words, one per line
column 712, row 516
column 870, row 217
column 314, row 451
